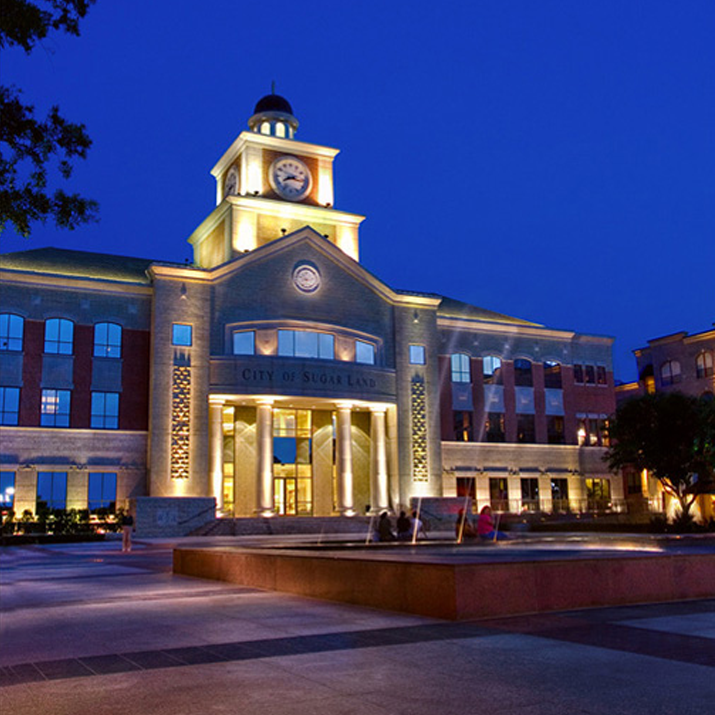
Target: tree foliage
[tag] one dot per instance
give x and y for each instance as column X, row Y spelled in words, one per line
column 29, row 145
column 672, row 436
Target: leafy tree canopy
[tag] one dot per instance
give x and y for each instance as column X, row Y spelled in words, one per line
column 27, row 144
column 672, row 436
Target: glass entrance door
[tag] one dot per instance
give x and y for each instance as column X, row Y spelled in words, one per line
column 293, row 462
column 286, row 502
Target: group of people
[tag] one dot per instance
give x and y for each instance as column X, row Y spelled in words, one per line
column 408, row 528
column 485, row 529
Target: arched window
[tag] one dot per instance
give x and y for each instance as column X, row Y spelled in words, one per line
column 522, row 373
column 670, row 372
column 11, row 330
column 491, row 368
column 59, row 336
column 108, row 340
column 552, row 374
column 704, row 364
column 460, row 368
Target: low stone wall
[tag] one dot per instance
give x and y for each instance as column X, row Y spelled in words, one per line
column 170, row 516
column 462, row 590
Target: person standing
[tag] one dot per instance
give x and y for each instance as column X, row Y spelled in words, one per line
column 127, row 529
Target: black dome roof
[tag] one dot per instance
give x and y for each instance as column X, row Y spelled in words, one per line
column 273, row 103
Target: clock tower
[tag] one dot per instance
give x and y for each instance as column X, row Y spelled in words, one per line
column 269, row 184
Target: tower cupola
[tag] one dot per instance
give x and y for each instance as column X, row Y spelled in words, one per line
column 273, row 116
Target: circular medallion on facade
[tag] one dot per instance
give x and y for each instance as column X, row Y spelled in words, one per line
column 306, row 277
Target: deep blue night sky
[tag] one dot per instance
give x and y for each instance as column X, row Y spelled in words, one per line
column 550, row 160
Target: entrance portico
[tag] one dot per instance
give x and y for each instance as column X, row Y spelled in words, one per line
column 278, row 455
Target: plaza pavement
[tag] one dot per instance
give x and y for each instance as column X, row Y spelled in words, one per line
column 87, row 629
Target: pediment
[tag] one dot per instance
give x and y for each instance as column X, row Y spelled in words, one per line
column 308, row 261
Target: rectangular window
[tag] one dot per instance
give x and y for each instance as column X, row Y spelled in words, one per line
column 590, row 374
column 601, row 375
column 560, row 494
column 417, row 355
column 530, row 494
column 59, row 336
column 598, row 494
column 463, row 426
column 244, row 342
column 578, row 374
column 55, row 408
column 552, row 375
column 364, row 352
column 525, row 429
column 494, row 427
column 102, row 491
column 466, row 487
column 306, row 344
column 105, row 410
column 181, row 335
column 11, row 329
column 107, row 340
column 499, row 493
column 9, row 405
column 7, row 490
column 523, row 376
column 491, row 369
column 555, row 429
column 51, row 490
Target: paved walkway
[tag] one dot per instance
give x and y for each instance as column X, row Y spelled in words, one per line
column 84, row 628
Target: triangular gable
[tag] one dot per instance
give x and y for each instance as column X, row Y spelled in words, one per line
column 308, row 235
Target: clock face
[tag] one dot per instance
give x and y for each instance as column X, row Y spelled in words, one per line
column 290, row 178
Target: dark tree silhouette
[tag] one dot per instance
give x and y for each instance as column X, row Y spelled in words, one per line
column 29, row 145
column 672, row 436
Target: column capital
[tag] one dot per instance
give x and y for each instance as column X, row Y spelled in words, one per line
column 215, row 400
column 265, row 401
column 379, row 408
column 343, row 405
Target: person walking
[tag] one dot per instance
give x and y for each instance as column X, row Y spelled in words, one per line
column 127, row 529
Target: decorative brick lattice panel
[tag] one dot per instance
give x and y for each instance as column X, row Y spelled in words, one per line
column 180, row 421
column 420, row 472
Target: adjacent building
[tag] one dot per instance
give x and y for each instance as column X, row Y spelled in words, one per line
column 673, row 363
column 279, row 376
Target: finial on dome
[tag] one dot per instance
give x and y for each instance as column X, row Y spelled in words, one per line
column 273, row 116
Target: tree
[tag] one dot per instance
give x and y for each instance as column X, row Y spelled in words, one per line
column 672, row 436
column 28, row 145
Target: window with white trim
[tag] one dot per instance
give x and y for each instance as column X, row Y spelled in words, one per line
column 105, row 410
column 244, row 342
column 55, row 408
column 59, row 336
column 107, row 340
column 9, row 405
column 460, row 368
column 364, row 352
column 306, row 344
column 11, row 330
column 417, row 355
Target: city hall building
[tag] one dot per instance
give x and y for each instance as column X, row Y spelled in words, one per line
column 279, row 376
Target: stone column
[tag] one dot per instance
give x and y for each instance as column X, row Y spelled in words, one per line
column 379, row 495
column 216, row 450
column 264, row 462
column 344, row 459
